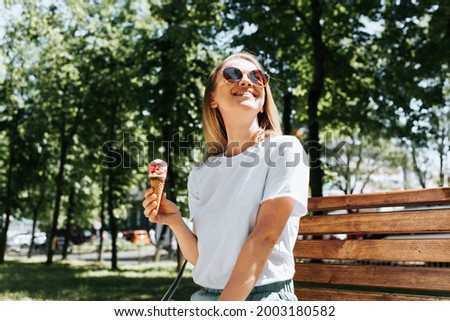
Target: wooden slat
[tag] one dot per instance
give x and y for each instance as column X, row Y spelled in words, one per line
column 314, row 294
column 396, row 277
column 423, row 250
column 425, row 221
column 398, row 198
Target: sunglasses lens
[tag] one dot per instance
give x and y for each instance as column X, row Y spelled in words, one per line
column 259, row 78
column 232, row 74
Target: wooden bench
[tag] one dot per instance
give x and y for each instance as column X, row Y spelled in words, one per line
column 371, row 264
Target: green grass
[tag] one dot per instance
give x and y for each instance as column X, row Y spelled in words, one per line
column 80, row 281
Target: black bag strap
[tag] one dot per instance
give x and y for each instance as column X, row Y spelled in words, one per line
column 175, row 283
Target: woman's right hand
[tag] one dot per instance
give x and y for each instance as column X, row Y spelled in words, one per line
column 168, row 212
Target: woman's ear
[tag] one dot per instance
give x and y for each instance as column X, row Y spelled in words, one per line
column 214, row 103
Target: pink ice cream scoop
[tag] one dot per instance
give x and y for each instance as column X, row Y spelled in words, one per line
column 157, row 168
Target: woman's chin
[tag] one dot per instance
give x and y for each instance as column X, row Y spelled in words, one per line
column 249, row 104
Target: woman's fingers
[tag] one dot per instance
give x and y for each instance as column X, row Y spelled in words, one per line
column 148, row 192
column 148, row 200
column 151, row 206
column 153, row 217
column 150, row 212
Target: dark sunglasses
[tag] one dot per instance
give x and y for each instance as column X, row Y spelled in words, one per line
column 258, row 77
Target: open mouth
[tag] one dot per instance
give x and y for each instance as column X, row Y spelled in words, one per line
column 244, row 92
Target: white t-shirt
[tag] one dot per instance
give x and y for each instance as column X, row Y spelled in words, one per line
column 225, row 194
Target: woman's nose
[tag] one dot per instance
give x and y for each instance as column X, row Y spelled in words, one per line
column 245, row 81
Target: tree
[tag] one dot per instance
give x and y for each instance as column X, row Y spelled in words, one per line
column 16, row 53
column 111, row 66
column 409, row 94
column 59, row 85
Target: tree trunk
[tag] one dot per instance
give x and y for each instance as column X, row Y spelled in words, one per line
column 59, row 182
column 9, row 192
column 112, row 219
column 160, row 243
column 102, row 220
column 3, row 236
column 441, row 151
column 35, row 219
column 420, row 175
column 68, row 232
column 315, row 92
column 404, row 165
column 287, row 112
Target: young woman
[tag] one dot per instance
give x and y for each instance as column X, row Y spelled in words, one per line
column 246, row 199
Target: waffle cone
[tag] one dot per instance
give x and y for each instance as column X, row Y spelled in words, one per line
column 157, row 184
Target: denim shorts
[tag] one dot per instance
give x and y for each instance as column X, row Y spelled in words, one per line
column 278, row 291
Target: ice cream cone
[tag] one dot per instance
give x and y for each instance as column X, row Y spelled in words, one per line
column 157, row 184
column 157, row 172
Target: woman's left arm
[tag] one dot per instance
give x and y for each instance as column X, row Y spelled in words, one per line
column 257, row 248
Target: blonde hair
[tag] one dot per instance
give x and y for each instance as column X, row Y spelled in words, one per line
column 214, row 130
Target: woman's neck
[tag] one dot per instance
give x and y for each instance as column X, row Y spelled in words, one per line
column 240, row 138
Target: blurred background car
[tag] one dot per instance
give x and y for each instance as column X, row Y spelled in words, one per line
column 139, row 237
column 23, row 240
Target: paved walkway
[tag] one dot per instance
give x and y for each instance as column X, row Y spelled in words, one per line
column 142, row 254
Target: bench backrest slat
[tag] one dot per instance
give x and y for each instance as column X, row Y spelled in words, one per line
column 424, row 250
column 315, row 294
column 431, row 196
column 425, row 221
column 399, row 277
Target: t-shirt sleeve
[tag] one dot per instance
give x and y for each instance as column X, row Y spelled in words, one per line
column 193, row 194
column 288, row 174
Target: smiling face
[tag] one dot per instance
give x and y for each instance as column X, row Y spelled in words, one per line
column 240, row 108
column 240, row 97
